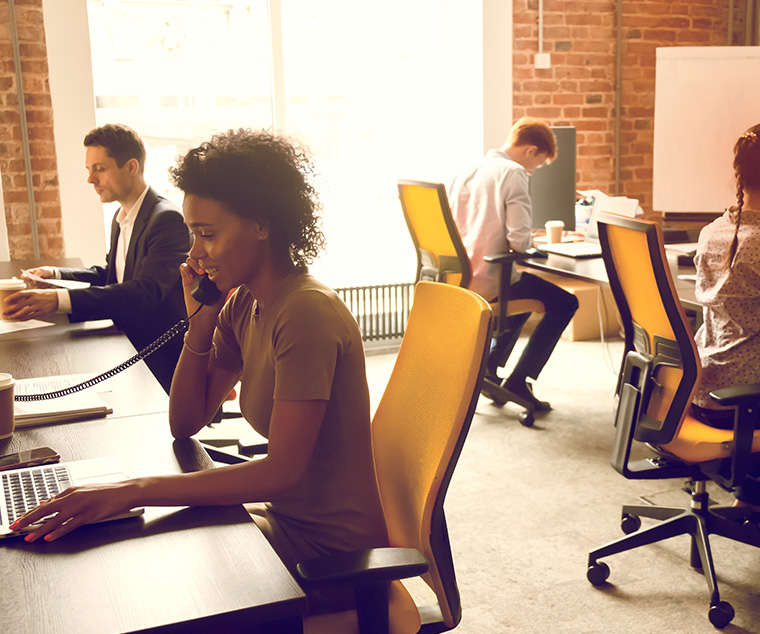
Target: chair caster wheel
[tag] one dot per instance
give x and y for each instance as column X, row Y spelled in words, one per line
column 597, row 573
column 721, row 614
column 630, row 523
column 526, row 419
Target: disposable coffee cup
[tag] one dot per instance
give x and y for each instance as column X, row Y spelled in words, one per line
column 8, row 287
column 7, row 422
column 554, row 229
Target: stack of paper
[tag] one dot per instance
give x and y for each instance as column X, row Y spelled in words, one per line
column 78, row 406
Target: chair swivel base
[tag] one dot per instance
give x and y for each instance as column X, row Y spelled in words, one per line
column 494, row 388
column 700, row 522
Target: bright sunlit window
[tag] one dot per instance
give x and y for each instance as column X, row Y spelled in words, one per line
column 362, row 86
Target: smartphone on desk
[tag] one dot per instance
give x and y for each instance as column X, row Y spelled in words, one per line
column 205, row 291
column 29, row 458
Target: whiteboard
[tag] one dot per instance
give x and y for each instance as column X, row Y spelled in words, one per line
column 705, row 98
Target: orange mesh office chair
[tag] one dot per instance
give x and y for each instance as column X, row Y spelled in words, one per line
column 657, row 381
column 441, row 257
column 418, row 431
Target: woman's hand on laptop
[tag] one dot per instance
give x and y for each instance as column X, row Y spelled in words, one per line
column 77, row 506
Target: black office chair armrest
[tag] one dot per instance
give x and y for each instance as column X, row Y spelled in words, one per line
column 745, row 399
column 743, row 395
column 507, row 256
column 369, row 572
column 219, row 454
column 374, row 565
column 505, row 261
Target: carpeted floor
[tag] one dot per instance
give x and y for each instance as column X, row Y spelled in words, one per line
column 527, row 504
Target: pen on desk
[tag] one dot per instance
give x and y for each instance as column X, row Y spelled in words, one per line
column 36, row 278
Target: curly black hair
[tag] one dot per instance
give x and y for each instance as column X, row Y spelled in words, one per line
column 259, row 176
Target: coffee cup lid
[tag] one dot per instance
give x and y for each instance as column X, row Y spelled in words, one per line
column 12, row 284
column 555, row 223
column 6, row 380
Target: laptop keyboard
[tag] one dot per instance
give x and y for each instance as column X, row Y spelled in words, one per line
column 24, row 490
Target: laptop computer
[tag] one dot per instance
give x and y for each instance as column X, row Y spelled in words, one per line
column 588, row 248
column 23, row 489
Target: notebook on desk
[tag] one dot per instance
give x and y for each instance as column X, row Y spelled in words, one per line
column 78, row 406
column 24, row 489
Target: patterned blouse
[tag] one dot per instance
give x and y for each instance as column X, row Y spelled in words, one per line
column 729, row 338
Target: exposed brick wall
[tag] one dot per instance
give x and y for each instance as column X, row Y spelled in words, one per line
column 39, row 115
column 579, row 88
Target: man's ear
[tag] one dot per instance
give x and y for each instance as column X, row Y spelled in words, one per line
column 531, row 150
column 133, row 166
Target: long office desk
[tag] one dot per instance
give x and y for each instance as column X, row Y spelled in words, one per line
column 80, row 348
column 84, row 348
column 181, row 570
column 13, row 269
column 175, row 570
column 593, row 270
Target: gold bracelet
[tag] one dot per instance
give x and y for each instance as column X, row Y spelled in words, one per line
column 195, row 352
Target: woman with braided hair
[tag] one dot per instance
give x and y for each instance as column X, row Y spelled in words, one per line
column 728, row 288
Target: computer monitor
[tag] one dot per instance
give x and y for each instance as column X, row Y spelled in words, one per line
column 552, row 188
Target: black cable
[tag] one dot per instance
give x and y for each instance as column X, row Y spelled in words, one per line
column 175, row 330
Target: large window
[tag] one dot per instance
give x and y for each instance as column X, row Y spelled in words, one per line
column 179, row 71
column 361, row 84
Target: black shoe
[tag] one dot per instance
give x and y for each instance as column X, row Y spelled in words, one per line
column 520, row 388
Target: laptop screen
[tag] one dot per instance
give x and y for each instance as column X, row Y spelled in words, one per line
column 592, row 232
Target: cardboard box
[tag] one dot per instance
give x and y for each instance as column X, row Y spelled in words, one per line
column 596, row 307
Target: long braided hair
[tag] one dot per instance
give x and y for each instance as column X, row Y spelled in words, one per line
column 747, row 172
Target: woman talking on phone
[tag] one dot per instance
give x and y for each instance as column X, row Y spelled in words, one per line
column 289, row 340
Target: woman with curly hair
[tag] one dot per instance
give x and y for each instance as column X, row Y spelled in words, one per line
column 292, row 344
column 728, row 287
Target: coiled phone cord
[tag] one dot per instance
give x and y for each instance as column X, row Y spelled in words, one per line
column 175, row 330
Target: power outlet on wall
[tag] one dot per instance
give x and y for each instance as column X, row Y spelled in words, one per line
column 542, row 60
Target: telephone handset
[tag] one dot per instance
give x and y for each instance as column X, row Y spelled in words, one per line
column 203, row 290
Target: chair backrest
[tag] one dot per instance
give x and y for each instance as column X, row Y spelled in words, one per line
column 441, row 256
column 421, row 423
column 661, row 365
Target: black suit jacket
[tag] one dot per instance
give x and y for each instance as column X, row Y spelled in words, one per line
column 150, row 300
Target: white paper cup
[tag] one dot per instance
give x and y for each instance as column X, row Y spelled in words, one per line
column 7, row 422
column 554, row 229
column 8, row 287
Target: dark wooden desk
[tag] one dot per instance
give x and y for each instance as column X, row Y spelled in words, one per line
column 180, row 570
column 84, row 348
column 592, row 270
column 13, row 269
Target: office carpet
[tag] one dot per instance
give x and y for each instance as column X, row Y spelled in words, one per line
column 527, row 504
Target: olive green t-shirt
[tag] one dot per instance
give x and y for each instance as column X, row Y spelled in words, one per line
column 305, row 345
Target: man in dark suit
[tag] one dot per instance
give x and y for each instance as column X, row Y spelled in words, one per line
column 139, row 288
